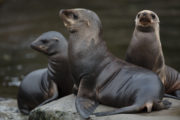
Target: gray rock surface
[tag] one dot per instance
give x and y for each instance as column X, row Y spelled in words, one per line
column 64, row 109
column 9, row 110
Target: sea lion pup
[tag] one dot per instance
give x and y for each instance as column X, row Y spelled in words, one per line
column 145, row 50
column 42, row 86
column 102, row 77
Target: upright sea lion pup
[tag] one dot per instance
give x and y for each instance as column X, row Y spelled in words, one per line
column 102, row 77
column 42, row 86
column 145, row 50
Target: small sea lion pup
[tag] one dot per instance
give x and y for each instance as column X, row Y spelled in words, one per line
column 102, row 77
column 145, row 50
column 44, row 85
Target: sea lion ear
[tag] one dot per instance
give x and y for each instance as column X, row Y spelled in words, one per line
column 88, row 23
column 136, row 20
column 55, row 38
column 157, row 17
column 158, row 20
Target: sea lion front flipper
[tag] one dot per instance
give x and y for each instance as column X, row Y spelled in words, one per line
column 85, row 107
column 75, row 89
column 54, row 91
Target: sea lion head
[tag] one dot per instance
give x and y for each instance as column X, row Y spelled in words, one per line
column 147, row 20
column 50, row 43
column 80, row 20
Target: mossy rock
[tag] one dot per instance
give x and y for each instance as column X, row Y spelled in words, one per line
column 64, row 109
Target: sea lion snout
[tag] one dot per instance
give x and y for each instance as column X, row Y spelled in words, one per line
column 34, row 45
column 61, row 12
column 66, row 12
column 40, row 45
column 144, row 18
column 69, row 16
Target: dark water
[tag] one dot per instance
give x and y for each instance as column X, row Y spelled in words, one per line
column 21, row 21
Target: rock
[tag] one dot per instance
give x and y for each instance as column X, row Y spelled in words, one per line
column 9, row 110
column 64, row 109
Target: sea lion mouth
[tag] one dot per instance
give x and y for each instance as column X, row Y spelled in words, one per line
column 144, row 21
column 40, row 48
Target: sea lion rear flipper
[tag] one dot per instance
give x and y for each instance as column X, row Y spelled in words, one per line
column 129, row 109
column 165, row 104
column 85, row 107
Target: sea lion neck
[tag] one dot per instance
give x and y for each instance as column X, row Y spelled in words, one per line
column 86, row 34
column 55, row 65
column 146, row 36
column 145, row 29
column 88, row 51
column 58, row 50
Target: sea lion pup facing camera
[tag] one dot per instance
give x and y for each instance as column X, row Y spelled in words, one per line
column 44, row 85
column 102, row 77
column 145, row 50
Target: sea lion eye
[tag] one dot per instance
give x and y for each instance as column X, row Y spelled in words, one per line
column 71, row 15
column 75, row 16
column 138, row 15
column 153, row 16
column 44, row 41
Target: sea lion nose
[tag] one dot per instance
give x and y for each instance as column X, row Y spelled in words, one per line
column 144, row 14
column 61, row 11
column 32, row 45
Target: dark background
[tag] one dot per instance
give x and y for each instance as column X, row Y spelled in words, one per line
column 22, row 21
